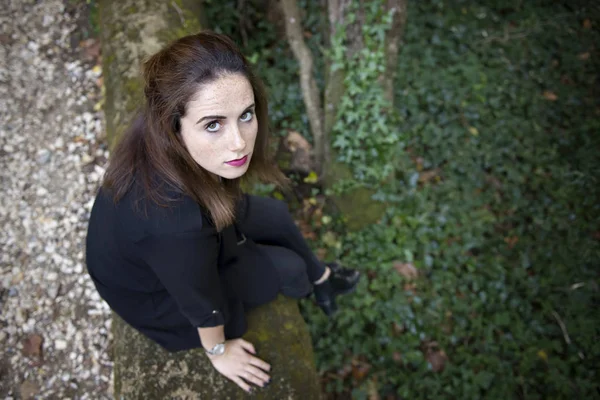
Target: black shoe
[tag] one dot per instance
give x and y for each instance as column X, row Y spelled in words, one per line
column 341, row 281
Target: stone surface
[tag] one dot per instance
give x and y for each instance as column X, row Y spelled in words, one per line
column 131, row 30
column 143, row 370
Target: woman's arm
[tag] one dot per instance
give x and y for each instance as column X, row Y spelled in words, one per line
column 211, row 336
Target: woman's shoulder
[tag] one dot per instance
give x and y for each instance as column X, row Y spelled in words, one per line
column 140, row 216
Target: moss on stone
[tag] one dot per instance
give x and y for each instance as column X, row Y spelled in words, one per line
column 356, row 205
column 130, row 31
column 143, row 370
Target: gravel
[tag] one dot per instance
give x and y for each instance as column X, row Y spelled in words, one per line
column 54, row 328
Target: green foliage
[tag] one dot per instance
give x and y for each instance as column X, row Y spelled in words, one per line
column 498, row 100
column 365, row 132
column 271, row 57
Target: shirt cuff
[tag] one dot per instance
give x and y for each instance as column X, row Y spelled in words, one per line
column 215, row 318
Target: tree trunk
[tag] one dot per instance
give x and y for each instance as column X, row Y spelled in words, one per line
column 130, row 31
column 308, row 83
column 357, row 206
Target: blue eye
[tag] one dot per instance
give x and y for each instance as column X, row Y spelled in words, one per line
column 213, row 126
column 249, row 116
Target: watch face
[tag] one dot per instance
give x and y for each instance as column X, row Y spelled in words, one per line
column 219, row 349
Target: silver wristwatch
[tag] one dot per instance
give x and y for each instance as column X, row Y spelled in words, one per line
column 217, row 350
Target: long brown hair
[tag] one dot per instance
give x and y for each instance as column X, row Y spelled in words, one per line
column 151, row 152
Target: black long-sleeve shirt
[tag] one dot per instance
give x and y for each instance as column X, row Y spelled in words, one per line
column 158, row 270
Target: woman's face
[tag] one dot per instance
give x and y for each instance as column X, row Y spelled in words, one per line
column 219, row 126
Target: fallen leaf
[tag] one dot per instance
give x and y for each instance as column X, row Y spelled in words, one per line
column 511, row 241
column 360, row 369
column 295, row 141
column 407, row 270
column 429, row 175
column 301, row 152
column 32, row 346
column 91, row 49
column 587, row 24
column 410, row 287
column 5, row 38
column 306, row 230
column 584, row 56
column 28, row 390
column 437, row 359
column 473, row 131
column 548, row 95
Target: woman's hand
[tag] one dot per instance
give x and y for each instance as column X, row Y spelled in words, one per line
column 239, row 364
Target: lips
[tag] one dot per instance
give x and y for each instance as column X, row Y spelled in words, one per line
column 239, row 162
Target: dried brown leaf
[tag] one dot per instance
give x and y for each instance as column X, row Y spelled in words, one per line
column 437, row 359
column 407, row 270
column 28, row 390
column 295, row 141
column 429, row 175
column 360, row 369
column 91, row 49
column 587, row 24
column 32, row 345
column 584, row 56
column 549, row 95
column 511, row 241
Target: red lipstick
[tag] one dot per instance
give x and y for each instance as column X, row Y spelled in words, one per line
column 239, row 162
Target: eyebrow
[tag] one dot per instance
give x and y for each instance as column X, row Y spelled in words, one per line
column 220, row 116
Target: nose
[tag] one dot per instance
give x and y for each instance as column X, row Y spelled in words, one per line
column 236, row 140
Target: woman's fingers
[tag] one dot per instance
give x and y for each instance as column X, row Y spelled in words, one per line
column 247, row 346
column 240, row 382
column 257, row 362
column 251, row 377
column 264, row 378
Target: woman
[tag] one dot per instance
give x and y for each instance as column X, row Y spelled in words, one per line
column 174, row 246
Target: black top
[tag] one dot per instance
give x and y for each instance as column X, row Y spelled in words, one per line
column 158, row 271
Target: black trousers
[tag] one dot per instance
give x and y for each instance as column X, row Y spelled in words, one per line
column 268, row 223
